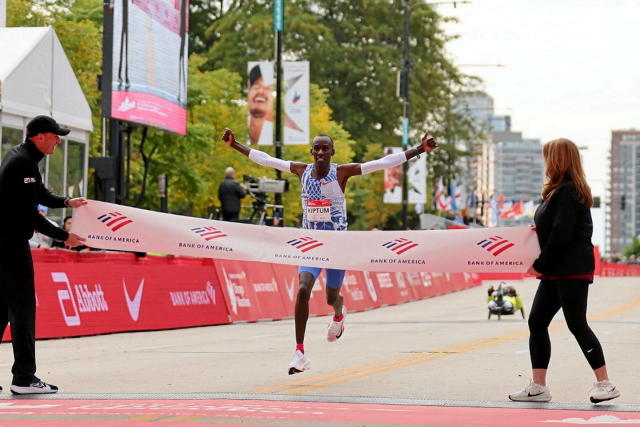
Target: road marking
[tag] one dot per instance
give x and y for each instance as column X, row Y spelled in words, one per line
column 343, row 375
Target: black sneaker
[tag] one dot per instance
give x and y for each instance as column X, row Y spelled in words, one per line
column 36, row 387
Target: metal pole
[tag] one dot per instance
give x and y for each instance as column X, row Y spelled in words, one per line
column 405, row 110
column 278, row 25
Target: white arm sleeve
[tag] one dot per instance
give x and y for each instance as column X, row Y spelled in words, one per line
column 383, row 163
column 263, row 159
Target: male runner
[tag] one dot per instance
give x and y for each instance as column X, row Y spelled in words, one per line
column 324, row 208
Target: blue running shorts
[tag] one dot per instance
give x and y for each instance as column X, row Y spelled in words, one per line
column 334, row 277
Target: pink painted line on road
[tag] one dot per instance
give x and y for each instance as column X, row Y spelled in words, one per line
column 260, row 411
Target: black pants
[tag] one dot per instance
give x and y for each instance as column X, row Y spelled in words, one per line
column 571, row 296
column 230, row 216
column 18, row 306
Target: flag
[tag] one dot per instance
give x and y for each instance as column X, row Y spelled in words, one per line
column 512, row 210
column 438, row 195
column 505, row 211
column 472, row 201
column 455, row 192
column 493, row 204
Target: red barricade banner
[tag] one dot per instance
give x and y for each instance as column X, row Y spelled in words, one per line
column 87, row 294
column 391, row 287
column 359, row 291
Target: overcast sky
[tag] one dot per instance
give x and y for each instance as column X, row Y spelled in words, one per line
column 571, row 67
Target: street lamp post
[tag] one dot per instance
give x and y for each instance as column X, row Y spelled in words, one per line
column 404, row 94
column 278, row 27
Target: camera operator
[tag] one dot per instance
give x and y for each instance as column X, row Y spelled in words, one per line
column 230, row 192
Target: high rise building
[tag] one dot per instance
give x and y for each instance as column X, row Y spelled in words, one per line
column 506, row 164
column 478, row 106
column 623, row 208
column 511, row 167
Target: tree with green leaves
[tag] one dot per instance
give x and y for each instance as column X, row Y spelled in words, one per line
column 633, row 249
column 355, row 50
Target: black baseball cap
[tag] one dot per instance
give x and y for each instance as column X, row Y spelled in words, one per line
column 45, row 124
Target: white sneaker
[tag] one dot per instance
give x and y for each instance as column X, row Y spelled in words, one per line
column 36, row 387
column 603, row 390
column 532, row 393
column 299, row 363
column 335, row 329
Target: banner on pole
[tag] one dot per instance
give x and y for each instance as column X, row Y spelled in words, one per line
column 416, row 180
column 260, row 102
column 109, row 226
column 296, row 103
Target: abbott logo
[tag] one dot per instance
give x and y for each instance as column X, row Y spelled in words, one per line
column 133, row 304
column 84, row 299
column 66, row 295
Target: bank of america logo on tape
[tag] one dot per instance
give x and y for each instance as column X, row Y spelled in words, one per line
column 305, row 244
column 400, row 246
column 208, row 233
column 114, row 220
column 495, row 245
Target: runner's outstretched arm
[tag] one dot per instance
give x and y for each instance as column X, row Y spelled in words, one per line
column 428, row 144
column 260, row 157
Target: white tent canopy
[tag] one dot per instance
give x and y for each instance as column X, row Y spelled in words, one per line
column 36, row 78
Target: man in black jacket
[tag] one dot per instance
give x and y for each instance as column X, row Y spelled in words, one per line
column 21, row 190
column 230, row 192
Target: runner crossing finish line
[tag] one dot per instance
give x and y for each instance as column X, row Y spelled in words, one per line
column 323, row 241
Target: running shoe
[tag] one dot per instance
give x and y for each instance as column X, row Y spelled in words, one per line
column 532, row 393
column 603, row 391
column 36, row 387
column 335, row 329
column 299, row 363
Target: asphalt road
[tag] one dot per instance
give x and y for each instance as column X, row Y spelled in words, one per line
column 442, row 348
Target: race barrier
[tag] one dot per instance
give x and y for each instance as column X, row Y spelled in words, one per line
column 100, row 292
column 91, row 293
column 496, row 250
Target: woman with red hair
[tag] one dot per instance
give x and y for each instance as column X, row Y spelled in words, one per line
column 565, row 268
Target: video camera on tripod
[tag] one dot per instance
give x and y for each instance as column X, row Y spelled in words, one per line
column 265, row 185
column 258, row 189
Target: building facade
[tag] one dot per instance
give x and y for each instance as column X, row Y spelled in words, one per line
column 510, row 166
column 623, row 208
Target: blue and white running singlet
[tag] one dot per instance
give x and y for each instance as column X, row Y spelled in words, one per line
column 323, row 204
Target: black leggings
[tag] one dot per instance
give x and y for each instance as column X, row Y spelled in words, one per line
column 571, row 295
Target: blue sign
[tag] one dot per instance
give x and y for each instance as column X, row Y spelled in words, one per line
column 278, row 15
column 405, row 132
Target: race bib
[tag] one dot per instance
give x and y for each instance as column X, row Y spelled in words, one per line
column 319, row 210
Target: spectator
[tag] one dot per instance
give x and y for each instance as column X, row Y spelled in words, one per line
column 230, row 192
column 40, row 240
column 66, row 226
